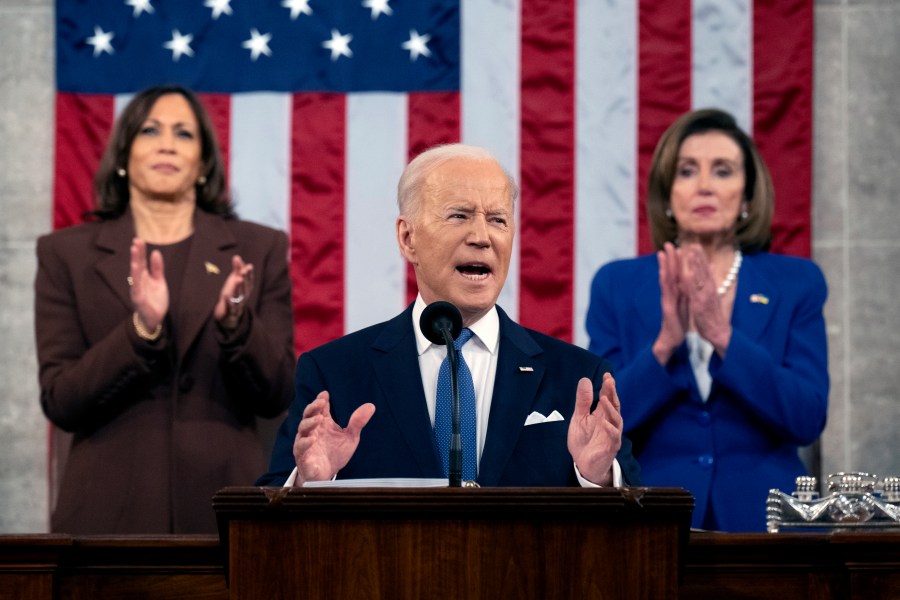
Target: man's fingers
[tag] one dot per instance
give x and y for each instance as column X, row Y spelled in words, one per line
column 319, row 405
column 584, row 396
column 609, row 390
column 360, row 418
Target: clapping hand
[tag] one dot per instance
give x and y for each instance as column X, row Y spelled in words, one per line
column 148, row 287
column 235, row 293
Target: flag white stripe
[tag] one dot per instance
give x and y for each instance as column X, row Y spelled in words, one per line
column 489, row 103
column 260, row 157
column 375, row 272
column 722, row 61
column 120, row 101
column 606, row 145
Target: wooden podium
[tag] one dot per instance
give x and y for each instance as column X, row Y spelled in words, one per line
column 493, row 543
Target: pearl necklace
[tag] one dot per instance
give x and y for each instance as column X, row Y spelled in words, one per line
column 732, row 273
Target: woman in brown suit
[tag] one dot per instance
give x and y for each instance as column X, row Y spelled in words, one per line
column 164, row 327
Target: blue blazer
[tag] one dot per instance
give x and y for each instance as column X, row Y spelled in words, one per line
column 769, row 395
column 380, row 364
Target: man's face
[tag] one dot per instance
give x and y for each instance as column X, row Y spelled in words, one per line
column 459, row 239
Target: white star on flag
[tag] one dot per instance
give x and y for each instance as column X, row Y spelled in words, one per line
column 258, row 44
column 378, row 7
column 417, row 45
column 297, row 7
column 101, row 41
column 179, row 44
column 218, row 7
column 140, row 6
column 339, row 44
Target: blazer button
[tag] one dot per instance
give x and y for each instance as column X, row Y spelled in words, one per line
column 185, row 383
column 706, row 461
column 704, row 418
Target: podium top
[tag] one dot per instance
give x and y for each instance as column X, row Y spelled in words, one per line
column 430, row 503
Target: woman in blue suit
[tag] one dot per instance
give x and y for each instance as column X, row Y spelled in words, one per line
column 718, row 346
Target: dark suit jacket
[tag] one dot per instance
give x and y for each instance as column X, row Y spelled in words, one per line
column 769, row 395
column 379, row 364
column 158, row 428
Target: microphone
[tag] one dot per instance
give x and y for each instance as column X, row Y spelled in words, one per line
column 441, row 323
column 437, row 317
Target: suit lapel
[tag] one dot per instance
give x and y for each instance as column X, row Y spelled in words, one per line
column 396, row 363
column 514, row 394
column 756, row 299
column 114, row 243
column 208, row 266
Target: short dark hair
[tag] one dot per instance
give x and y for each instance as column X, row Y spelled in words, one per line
column 753, row 233
column 111, row 193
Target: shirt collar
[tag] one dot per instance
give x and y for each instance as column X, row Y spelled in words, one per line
column 486, row 330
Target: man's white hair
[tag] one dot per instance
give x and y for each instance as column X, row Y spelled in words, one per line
column 409, row 189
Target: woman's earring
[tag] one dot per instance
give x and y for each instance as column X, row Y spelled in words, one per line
column 744, row 215
column 669, row 213
column 121, row 172
column 201, row 180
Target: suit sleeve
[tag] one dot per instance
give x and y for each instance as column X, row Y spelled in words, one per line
column 788, row 393
column 81, row 383
column 645, row 387
column 258, row 359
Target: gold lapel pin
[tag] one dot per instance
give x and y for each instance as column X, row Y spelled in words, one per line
column 759, row 299
column 211, row 268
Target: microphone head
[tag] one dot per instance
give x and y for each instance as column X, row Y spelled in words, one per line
column 438, row 316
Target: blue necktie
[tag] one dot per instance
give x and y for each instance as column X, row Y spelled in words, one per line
column 467, row 427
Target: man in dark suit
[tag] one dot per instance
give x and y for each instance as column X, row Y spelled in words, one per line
column 547, row 412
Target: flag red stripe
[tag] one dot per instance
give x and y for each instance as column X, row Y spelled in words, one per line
column 782, row 120
column 433, row 119
column 546, row 221
column 219, row 108
column 317, row 217
column 664, row 87
column 83, row 124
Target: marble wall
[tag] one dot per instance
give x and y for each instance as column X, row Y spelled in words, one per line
column 26, row 190
column 856, row 221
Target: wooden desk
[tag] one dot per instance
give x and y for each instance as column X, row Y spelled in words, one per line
column 784, row 566
column 792, row 566
column 45, row 567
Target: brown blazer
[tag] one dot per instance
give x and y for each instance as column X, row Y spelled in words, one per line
column 158, row 427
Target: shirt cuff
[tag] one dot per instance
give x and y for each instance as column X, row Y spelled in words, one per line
column 616, row 478
column 291, row 478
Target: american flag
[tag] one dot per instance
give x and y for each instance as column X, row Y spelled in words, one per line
column 319, row 104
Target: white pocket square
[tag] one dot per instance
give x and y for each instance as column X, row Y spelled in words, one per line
column 536, row 417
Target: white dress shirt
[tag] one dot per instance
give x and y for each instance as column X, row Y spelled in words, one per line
column 480, row 353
